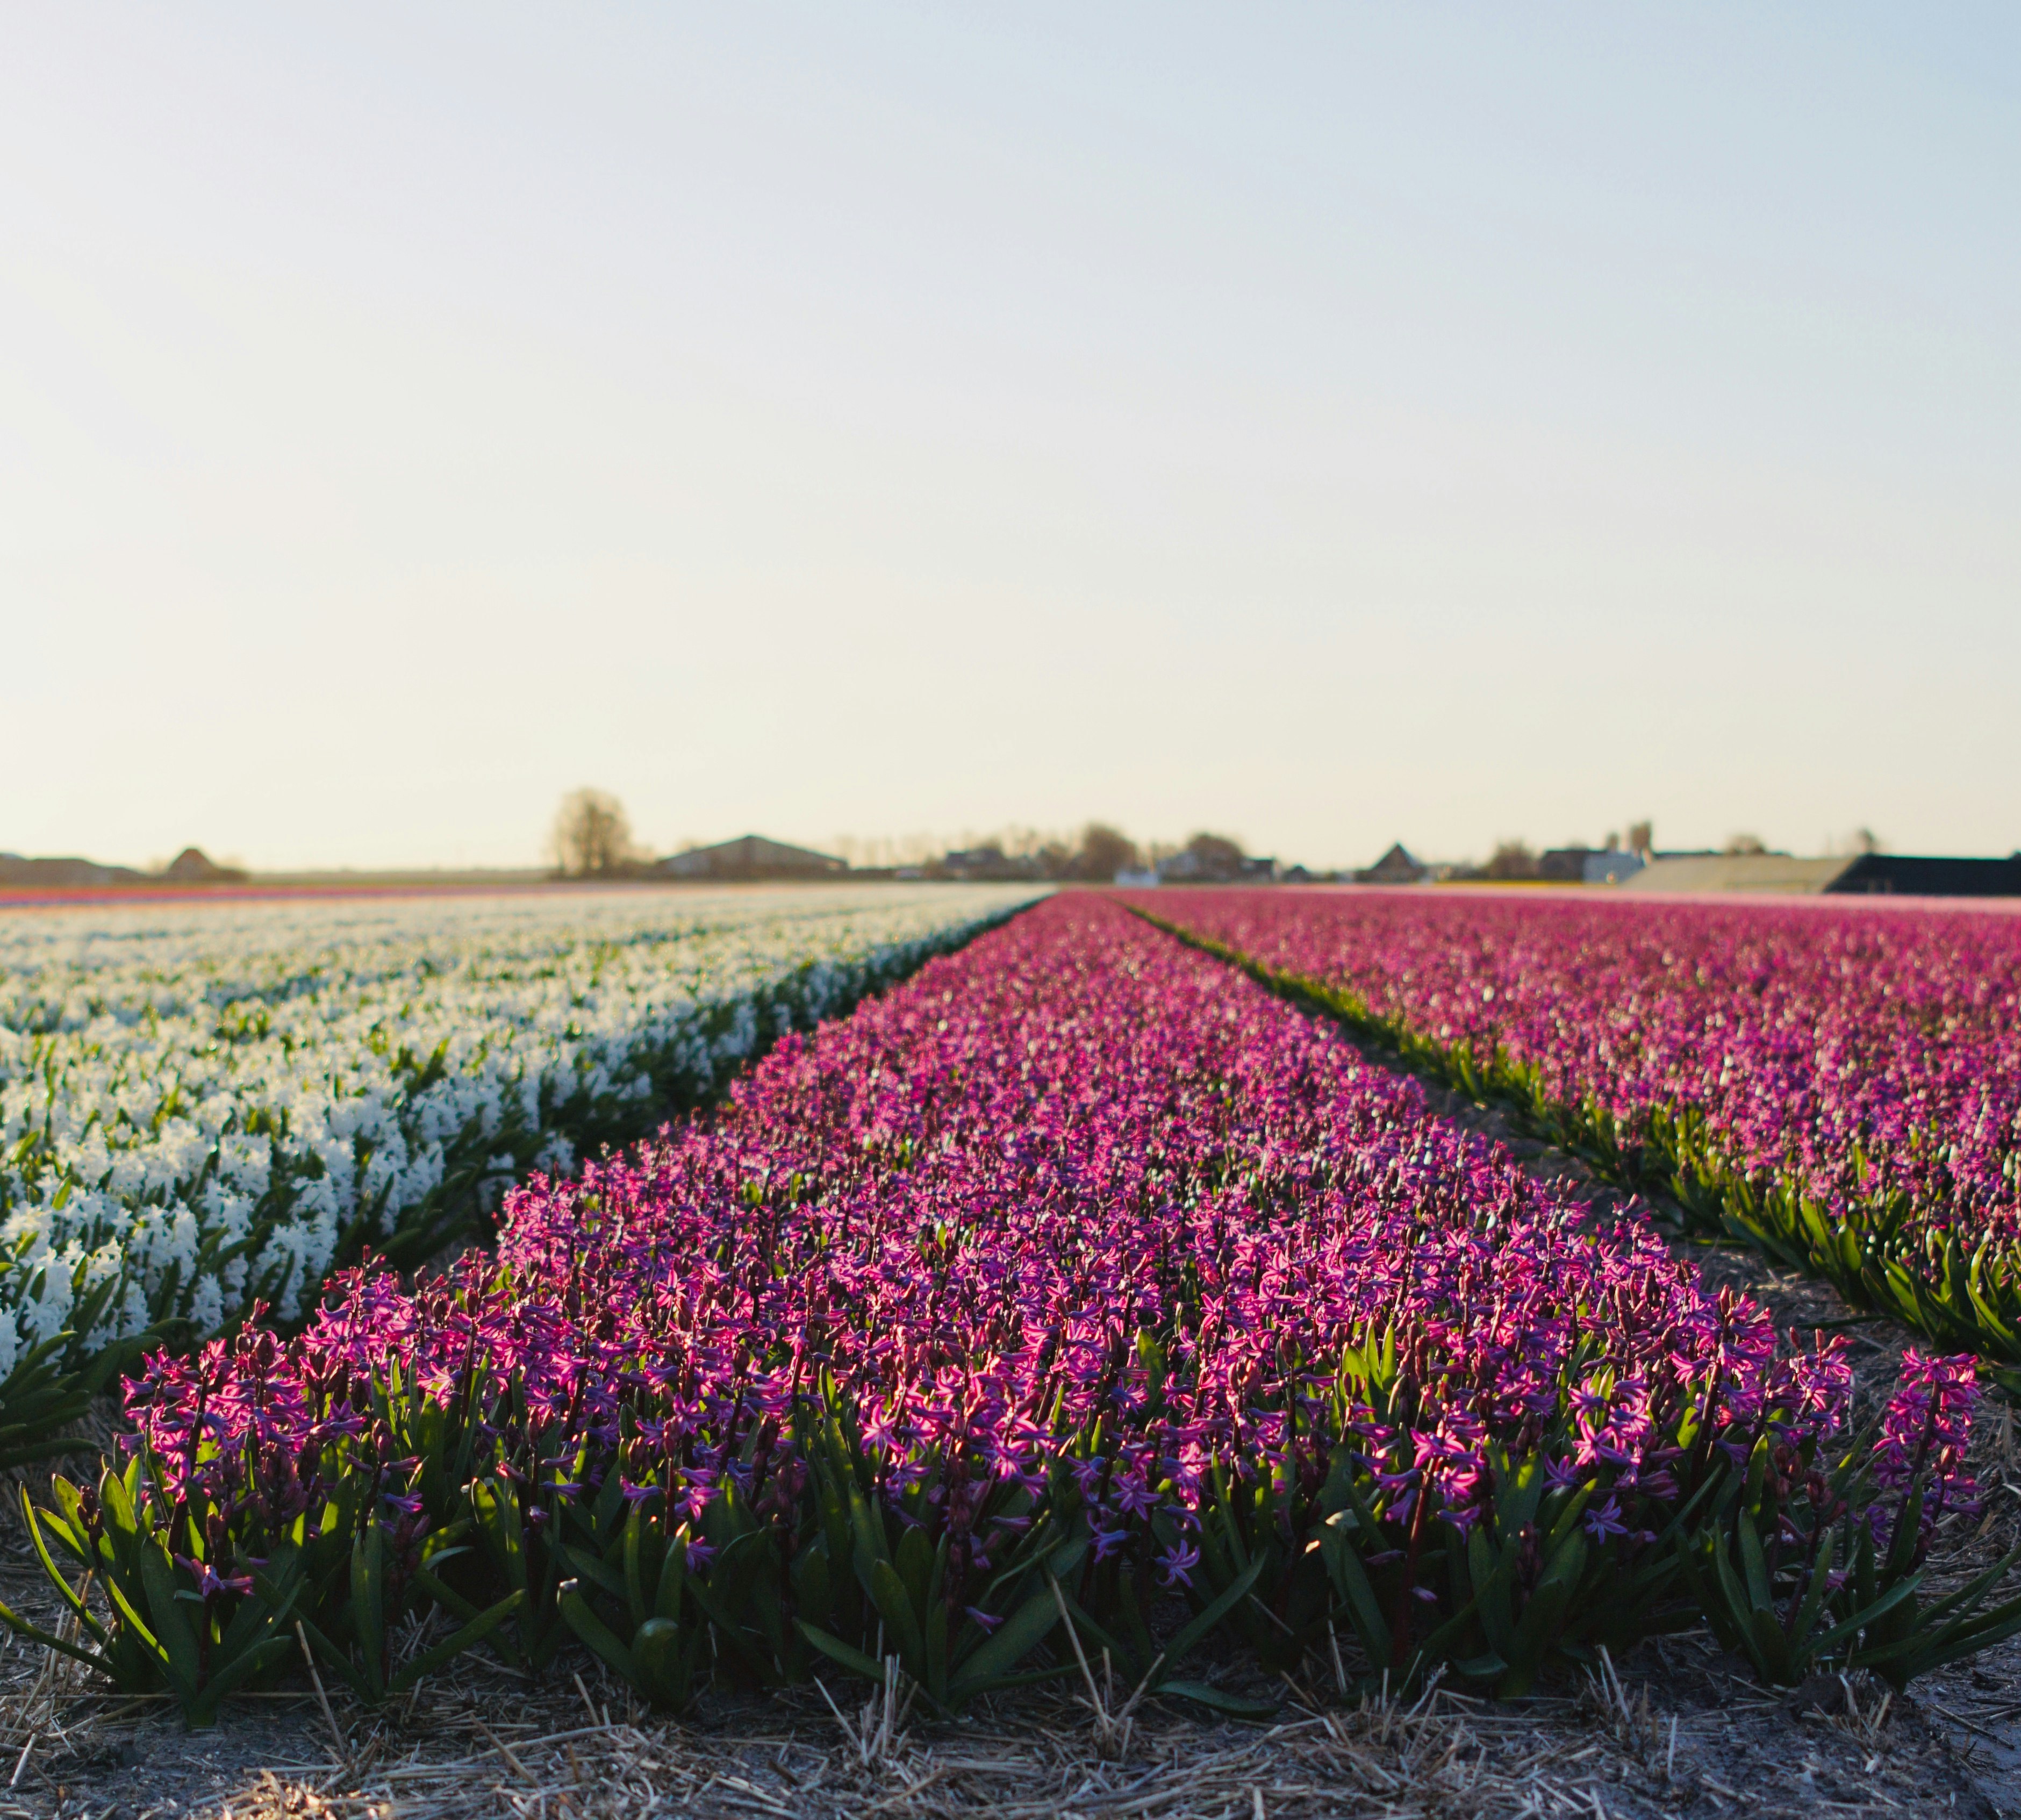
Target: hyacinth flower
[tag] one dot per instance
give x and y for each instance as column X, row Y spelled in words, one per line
column 1838, row 1084
column 1078, row 1282
column 223, row 1106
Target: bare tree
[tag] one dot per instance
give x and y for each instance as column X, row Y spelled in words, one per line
column 1642, row 838
column 591, row 838
column 1865, row 840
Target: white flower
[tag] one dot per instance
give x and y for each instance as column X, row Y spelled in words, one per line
column 272, row 1072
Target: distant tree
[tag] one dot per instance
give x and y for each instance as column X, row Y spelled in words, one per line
column 1511, row 859
column 1745, row 843
column 1056, row 859
column 1641, row 837
column 1105, row 851
column 1865, row 840
column 591, row 838
column 1217, row 855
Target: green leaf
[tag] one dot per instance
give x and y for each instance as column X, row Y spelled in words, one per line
column 639, row 1585
column 222, row 1681
column 1014, row 1638
column 590, row 1629
column 1350, row 1580
column 840, row 1653
column 1865, row 1617
column 1192, row 1634
column 56, row 1579
column 1753, row 1564
column 1201, row 1694
column 1483, row 1561
column 660, row 1667
column 582, row 1565
column 368, row 1618
column 915, row 1567
column 171, row 1624
column 673, row 1579
column 732, row 1634
column 901, row 1624
column 1814, row 1594
column 35, row 1634
column 1537, row 1628
column 337, row 1660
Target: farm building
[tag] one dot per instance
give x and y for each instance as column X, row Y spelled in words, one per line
column 1901, row 875
column 192, row 866
column 1774, row 872
column 751, row 856
column 1908, row 875
column 1396, row 867
column 1587, row 865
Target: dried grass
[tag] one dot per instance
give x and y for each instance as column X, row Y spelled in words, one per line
column 1671, row 1734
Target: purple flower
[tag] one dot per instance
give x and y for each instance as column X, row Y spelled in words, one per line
column 210, row 1584
column 1603, row 1520
column 969, row 1217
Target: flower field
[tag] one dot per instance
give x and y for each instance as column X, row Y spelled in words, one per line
column 1841, row 1085
column 205, row 1106
column 1076, row 1296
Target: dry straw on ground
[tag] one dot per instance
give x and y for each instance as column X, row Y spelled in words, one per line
column 477, row 1747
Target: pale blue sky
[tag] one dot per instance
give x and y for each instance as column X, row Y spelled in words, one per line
column 1327, row 425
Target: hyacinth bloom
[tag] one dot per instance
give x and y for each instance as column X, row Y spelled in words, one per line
column 1078, row 1217
column 204, row 1106
column 1865, row 1059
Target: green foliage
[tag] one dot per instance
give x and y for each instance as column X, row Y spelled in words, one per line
column 174, row 1622
column 802, row 1557
column 878, row 1581
column 48, row 1391
column 1801, row 1587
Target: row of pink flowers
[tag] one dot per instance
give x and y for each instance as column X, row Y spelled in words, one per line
column 965, row 1203
column 1863, row 1052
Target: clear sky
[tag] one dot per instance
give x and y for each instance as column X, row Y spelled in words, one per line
column 1326, row 426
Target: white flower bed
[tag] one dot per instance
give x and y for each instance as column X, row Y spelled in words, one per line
column 202, row 1104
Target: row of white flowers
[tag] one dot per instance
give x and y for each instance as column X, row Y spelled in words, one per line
column 202, row 1104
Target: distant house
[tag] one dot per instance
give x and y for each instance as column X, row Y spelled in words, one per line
column 62, row 874
column 190, row 867
column 1396, row 867
column 750, row 857
column 1693, row 872
column 193, row 866
column 1906, row 875
column 1562, row 865
column 1190, row 866
column 1587, row 865
column 981, row 863
column 1611, row 866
